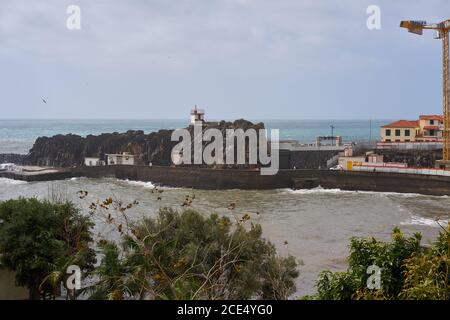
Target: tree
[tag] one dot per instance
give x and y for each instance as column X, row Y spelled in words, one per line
column 40, row 239
column 189, row 256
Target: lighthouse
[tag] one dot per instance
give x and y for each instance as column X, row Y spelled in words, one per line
column 197, row 115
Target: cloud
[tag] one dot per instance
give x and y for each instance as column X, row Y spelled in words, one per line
column 260, row 58
column 185, row 33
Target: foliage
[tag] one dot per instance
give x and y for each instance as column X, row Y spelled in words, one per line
column 40, row 239
column 189, row 256
column 336, row 286
column 112, row 271
column 427, row 275
column 407, row 270
column 388, row 256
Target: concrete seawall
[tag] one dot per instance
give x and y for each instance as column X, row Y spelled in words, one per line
column 249, row 179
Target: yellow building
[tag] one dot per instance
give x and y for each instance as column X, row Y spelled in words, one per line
column 431, row 127
column 400, row 131
column 427, row 129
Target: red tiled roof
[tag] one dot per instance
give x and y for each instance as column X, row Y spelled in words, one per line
column 403, row 124
column 431, row 117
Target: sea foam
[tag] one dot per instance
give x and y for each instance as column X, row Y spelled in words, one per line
column 147, row 185
column 6, row 181
column 416, row 220
column 320, row 190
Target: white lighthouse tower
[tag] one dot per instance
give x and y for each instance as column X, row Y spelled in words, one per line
column 197, row 116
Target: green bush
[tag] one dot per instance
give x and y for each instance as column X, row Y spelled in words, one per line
column 407, row 270
column 336, row 286
column 189, row 256
column 427, row 275
column 40, row 239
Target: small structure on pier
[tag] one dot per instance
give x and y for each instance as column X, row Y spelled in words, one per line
column 197, row 116
column 334, row 141
column 93, row 161
column 123, row 158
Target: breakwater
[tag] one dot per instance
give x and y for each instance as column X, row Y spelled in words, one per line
column 203, row 178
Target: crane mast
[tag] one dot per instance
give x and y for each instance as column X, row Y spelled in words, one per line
column 442, row 30
column 446, row 92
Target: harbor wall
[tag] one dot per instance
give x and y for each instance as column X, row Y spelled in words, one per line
column 311, row 159
column 251, row 179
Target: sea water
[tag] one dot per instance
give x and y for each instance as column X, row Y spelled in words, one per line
column 315, row 225
column 17, row 136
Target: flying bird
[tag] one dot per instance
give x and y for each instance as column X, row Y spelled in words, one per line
column 44, row 101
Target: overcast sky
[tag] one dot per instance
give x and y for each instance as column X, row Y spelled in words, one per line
column 257, row 59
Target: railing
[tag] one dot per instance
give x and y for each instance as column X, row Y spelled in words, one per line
column 409, row 145
column 400, row 169
column 196, row 111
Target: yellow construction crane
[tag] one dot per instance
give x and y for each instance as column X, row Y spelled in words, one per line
column 442, row 32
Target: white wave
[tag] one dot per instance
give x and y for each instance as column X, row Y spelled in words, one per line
column 76, row 178
column 11, row 181
column 5, row 165
column 147, row 185
column 9, row 167
column 320, row 190
column 416, row 220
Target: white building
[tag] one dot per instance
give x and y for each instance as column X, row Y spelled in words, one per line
column 197, row 115
column 93, row 161
column 123, row 158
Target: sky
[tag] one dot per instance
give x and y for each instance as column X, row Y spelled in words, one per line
column 254, row 59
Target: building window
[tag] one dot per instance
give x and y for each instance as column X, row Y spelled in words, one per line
column 388, row 132
column 431, row 122
column 388, row 140
column 407, row 133
column 397, row 132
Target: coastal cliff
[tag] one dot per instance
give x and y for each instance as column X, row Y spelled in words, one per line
column 70, row 150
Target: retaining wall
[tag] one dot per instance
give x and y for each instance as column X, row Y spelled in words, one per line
column 250, row 179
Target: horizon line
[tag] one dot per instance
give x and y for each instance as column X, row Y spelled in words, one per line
column 188, row 120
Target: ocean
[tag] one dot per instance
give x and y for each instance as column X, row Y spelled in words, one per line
column 316, row 224
column 17, row 136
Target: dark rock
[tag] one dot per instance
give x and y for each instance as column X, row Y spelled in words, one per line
column 13, row 158
column 156, row 147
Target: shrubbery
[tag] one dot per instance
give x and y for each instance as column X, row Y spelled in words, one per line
column 189, row 256
column 407, row 270
column 172, row 256
column 40, row 239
